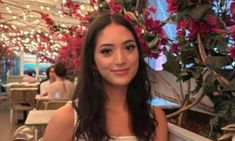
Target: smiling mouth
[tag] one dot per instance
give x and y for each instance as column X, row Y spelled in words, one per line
column 120, row 71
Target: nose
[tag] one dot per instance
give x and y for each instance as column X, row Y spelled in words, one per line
column 120, row 58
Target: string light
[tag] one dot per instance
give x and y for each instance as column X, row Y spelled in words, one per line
column 27, row 6
column 31, row 39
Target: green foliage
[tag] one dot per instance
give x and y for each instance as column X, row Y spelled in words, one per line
column 172, row 65
column 203, row 40
column 197, row 12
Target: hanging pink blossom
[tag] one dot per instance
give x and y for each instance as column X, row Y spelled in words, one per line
column 212, row 20
column 232, row 52
column 47, row 19
column 114, row 7
column 172, row 6
column 148, row 11
column 232, row 31
column 175, row 48
column 232, row 8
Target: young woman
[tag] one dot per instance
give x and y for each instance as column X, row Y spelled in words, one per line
column 113, row 91
column 50, row 73
column 61, row 88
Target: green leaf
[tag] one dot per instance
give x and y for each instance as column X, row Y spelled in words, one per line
column 196, row 71
column 172, row 65
column 184, row 77
column 197, row 11
column 211, row 42
column 180, row 15
column 209, row 84
column 218, row 61
column 225, row 110
column 187, row 55
column 215, row 124
column 217, row 43
column 231, row 86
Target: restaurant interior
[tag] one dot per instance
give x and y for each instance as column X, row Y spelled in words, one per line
column 37, row 34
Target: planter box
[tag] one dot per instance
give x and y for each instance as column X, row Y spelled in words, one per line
column 177, row 133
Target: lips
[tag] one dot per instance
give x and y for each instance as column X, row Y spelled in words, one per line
column 120, row 71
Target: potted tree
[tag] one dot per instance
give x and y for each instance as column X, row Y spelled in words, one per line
column 200, row 60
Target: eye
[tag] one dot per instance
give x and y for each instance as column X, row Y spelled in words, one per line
column 130, row 47
column 106, row 52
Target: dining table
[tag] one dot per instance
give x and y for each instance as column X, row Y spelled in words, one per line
column 38, row 118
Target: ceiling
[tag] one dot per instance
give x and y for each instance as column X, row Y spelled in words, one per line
column 22, row 27
column 25, row 14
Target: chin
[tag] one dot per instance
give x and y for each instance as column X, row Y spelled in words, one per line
column 121, row 83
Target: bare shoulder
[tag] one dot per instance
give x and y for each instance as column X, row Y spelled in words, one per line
column 61, row 125
column 162, row 129
column 64, row 115
column 159, row 112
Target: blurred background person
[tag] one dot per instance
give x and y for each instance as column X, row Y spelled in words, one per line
column 50, row 73
column 30, row 78
column 61, row 88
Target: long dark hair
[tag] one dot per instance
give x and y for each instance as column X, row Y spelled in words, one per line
column 91, row 122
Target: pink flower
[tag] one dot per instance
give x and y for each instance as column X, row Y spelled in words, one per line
column 92, row 2
column 149, row 11
column 182, row 24
column 193, row 28
column 232, row 31
column 129, row 16
column 232, row 52
column 47, row 19
column 114, row 7
column 232, row 7
column 212, row 20
column 175, row 48
column 172, row 6
column 138, row 30
column 181, row 27
column 218, row 30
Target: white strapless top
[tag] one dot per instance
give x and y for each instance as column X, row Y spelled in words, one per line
column 124, row 138
column 121, row 138
column 114, row 138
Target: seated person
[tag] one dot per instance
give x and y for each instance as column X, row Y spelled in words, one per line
column 61, row 88
column 50, row 72
column 30, row 78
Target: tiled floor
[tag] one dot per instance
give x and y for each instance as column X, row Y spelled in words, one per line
column 4, row 125
column 5, row 130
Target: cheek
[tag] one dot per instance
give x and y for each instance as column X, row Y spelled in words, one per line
column 102, row 64
column 135, row 59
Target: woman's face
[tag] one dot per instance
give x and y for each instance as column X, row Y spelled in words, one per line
column 116, row 55
column 52, row 74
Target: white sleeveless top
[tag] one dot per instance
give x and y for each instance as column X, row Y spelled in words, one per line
column 114, row 138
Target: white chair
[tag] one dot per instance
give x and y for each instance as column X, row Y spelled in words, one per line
column 55, row 104
column 21, row 99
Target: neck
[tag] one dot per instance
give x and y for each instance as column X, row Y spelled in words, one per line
column 116, row 97
column 50, row 80
column 59, row 79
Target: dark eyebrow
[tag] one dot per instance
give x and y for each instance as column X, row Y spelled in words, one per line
column 129, row 41
column 106, row 45
column 111, row 45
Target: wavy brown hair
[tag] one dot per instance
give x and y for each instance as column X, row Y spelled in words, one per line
column 91, row 122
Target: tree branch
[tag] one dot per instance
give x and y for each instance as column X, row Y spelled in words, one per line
column 202, row 52
column 186, row 107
